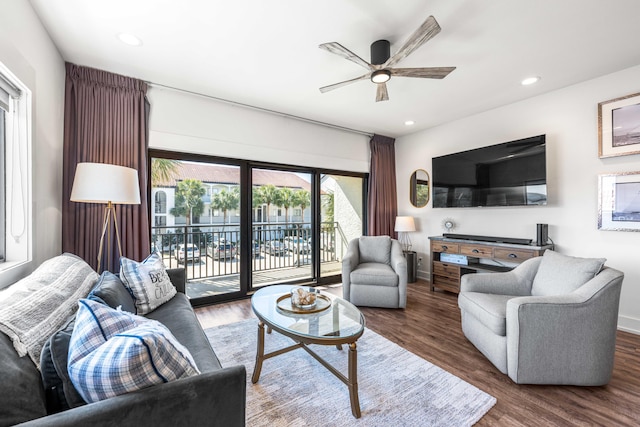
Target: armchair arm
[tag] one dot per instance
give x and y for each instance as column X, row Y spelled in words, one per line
column 399, row 265
column 215, row 398
column 565, row 339
column 515, row 282
column 349, row 263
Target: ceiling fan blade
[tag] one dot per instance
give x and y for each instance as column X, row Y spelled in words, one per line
column 425, row 73
column 342, row 51
column 424, row 33
column 381, row 93
column 344, row 83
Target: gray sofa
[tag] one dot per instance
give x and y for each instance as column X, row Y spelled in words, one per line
column 216, row 397
column 551, row 320
column 374, row 273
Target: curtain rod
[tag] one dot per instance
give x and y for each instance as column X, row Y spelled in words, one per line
column 265, row 110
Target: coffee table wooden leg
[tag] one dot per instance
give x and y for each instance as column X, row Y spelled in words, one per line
column 259, row 354
column 353, row 380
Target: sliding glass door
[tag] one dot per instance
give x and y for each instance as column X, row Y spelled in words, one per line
column 341, row 219
column 236, row 226
column 281, row 226
column 195, row 214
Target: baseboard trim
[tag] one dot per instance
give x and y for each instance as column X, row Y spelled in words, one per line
column 629, row 324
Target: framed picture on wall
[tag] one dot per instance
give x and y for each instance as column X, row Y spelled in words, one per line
column 619, row 202
column 619, row 126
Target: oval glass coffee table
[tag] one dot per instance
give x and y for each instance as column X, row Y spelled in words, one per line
column 339, row 323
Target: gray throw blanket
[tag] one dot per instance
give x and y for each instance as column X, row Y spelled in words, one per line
column 54, row 289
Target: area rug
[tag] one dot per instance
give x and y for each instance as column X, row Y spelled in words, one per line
column 396, row 387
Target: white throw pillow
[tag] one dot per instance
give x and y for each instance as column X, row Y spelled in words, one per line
column 147, row 281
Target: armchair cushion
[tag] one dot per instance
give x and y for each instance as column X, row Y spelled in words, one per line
column 373, row 273
column 561, row 274
column 488, row 309
column 374, row 249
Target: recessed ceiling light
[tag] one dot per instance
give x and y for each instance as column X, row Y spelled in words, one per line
column 409, row 123
column 530, row 80
column 129, row 39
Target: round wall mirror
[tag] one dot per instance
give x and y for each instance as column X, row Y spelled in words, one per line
column 419, row 188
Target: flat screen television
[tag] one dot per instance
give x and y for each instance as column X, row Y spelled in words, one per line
column 510, row 174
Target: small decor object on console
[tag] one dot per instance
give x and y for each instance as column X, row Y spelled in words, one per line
column 619, row 126
column 448, row 224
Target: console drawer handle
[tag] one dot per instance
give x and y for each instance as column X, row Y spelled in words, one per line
column 444, row 248
column 513, row 256
column 475, row 251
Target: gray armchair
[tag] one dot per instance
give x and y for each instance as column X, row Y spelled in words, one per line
column 374, row 273
column 551, row 320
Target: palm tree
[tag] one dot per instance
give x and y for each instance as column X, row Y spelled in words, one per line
column 327, row 207
column 268, row 195
column 302, row 199
column 287, row 199
column 162, row 170
column 188, row 200
column 226, row 201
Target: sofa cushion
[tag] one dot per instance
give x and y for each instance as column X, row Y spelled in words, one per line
column 113, row 352
column 488, row 309
column 22, row 392
column 373, row 273
column 59, row 391
column 374, row 249
column 60, row 281
column 147, row 281
column 111, row 291
column 561, row 274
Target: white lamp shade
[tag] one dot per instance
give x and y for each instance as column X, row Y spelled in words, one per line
column 103, row 183
column 405, row 223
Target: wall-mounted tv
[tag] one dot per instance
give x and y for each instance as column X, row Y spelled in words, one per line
column 510, row 174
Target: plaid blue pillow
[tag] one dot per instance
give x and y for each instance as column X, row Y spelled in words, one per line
column 147, row 281
column 112, row 352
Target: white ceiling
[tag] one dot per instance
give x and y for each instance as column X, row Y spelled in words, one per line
column 265, row 53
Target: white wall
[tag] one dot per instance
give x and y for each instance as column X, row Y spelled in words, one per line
column 27, row 50
column 569, row 119
column 184, row 122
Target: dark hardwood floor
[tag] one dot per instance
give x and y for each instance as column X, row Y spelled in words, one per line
column 430, row 328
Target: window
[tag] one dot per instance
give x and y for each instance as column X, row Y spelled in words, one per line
column 161, row 202
column 2, row 184
column 161, row 221
column 15, row 178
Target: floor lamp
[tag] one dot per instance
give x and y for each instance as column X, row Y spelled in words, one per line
column 404, row 225
column 110, row 184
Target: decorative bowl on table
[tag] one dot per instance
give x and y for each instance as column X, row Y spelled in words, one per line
column 303, row 299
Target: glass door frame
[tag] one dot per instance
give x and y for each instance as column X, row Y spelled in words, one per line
column 246, row 213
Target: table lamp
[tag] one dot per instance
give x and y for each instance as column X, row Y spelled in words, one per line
column 404, row 225
column 109, row 184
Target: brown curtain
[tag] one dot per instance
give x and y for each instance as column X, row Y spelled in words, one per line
column 383, row 198
column 106, row 120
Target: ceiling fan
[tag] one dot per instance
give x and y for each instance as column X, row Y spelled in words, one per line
column 381, row 66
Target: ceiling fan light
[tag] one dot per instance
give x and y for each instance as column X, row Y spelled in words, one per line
column 380, row 76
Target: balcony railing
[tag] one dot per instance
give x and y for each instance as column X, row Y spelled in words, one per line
column 215, row 249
